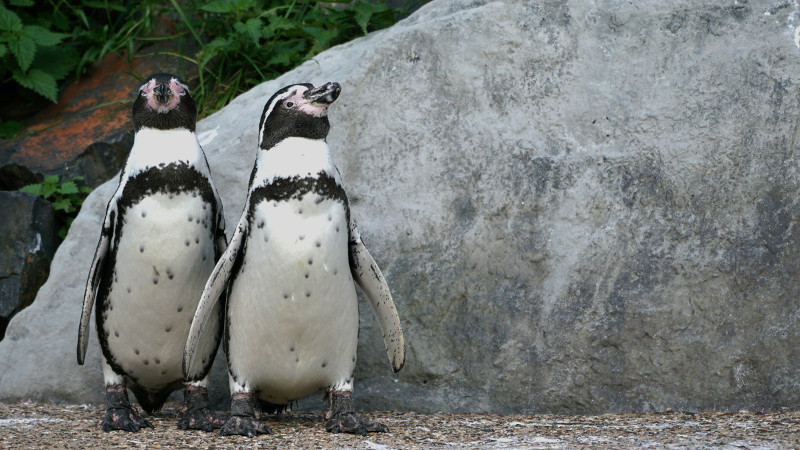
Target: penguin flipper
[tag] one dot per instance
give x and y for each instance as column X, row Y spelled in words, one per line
column 214, row 289
column 368, row 276
column 93, row 282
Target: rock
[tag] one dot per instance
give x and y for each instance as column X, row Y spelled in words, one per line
column 26, row 250
column 579, row 206
column 89, row 131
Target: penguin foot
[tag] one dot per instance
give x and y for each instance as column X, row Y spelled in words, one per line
column 196, row 413
column 243, row 421
column 124, row 419
column 244, row 426
column 119, row 412
column 341, row 416
column 201, row 419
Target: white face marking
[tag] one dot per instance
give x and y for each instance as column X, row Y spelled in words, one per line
column 275, row 101
column 295, row 96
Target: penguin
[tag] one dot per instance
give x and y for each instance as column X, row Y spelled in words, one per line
column 161, row 237
column 292, row 311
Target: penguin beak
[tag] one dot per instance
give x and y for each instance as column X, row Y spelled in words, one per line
column 323, row 95
column 162, row 93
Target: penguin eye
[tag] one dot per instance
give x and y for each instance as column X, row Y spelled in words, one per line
column 289, row 104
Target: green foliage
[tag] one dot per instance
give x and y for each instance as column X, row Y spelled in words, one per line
column 241, row 42
column 27, row 51
column 245, row 42
column 66, row 197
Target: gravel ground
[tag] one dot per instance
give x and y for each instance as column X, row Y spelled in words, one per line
column 34, row 425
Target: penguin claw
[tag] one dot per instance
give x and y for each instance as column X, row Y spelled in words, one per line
column 124, row 419
column 201, row 419
column 349, row 422
column 244, row 426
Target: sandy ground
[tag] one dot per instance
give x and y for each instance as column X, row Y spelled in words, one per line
column 33, row 425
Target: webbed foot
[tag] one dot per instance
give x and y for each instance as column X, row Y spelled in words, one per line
column 341, row 416
column 196, row 413
column 119, row 412
column 243, row 420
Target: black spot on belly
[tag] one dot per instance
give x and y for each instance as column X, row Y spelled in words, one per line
column 335, row 271
column 141, row 249
column 308, row 293
column 317, row 243
column 163, row 372
column 310, row 261
column 324, row 363
column 155, row 280
column 136, row 351
column 186, row 242
column 291, row 349
column 307, row 274
column 180, row 308
column 196, row 240
column 170, row 275
column 129, row 290
column 261, row 224
column 146, row 362
column 144, row 213
column 168, row 329
column 190, row 218
column 156, row 360
column 116, row 333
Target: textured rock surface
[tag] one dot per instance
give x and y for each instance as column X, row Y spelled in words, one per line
column 26, row 250
column 89, row 131
column 580, row 206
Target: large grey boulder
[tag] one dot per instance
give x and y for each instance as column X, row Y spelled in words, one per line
column 579, row 206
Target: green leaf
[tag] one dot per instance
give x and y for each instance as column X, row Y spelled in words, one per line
column 3, row 50
column 63, row 205
column 24, row 49
column 57, row 61
column 38, row 81
column 68, row 187
column 35, row 189
column 22, row 3
column 42, row 36
column 104, row 5
column 251, row 29
column 218, row 6
column 9, row 20
column 9, row 128
column 363, row 12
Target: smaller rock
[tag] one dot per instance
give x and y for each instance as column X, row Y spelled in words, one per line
column 26, row 249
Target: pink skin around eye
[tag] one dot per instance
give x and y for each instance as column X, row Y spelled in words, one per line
column 177, row 92
column 305, row 106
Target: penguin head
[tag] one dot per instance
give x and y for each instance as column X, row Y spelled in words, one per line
column 299, row 110
column 164, row 103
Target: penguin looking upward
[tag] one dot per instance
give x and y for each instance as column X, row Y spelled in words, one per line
column 292, row 313
column 162, row 234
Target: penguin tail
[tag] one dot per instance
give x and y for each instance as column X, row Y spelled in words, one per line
column 150, row 401
column 271, row 408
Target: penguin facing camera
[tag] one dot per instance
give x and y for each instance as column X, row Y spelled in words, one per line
column 161, row 237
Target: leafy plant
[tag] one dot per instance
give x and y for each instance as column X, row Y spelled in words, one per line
column 29, row 54
column 245, row 42
column 66, row 197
